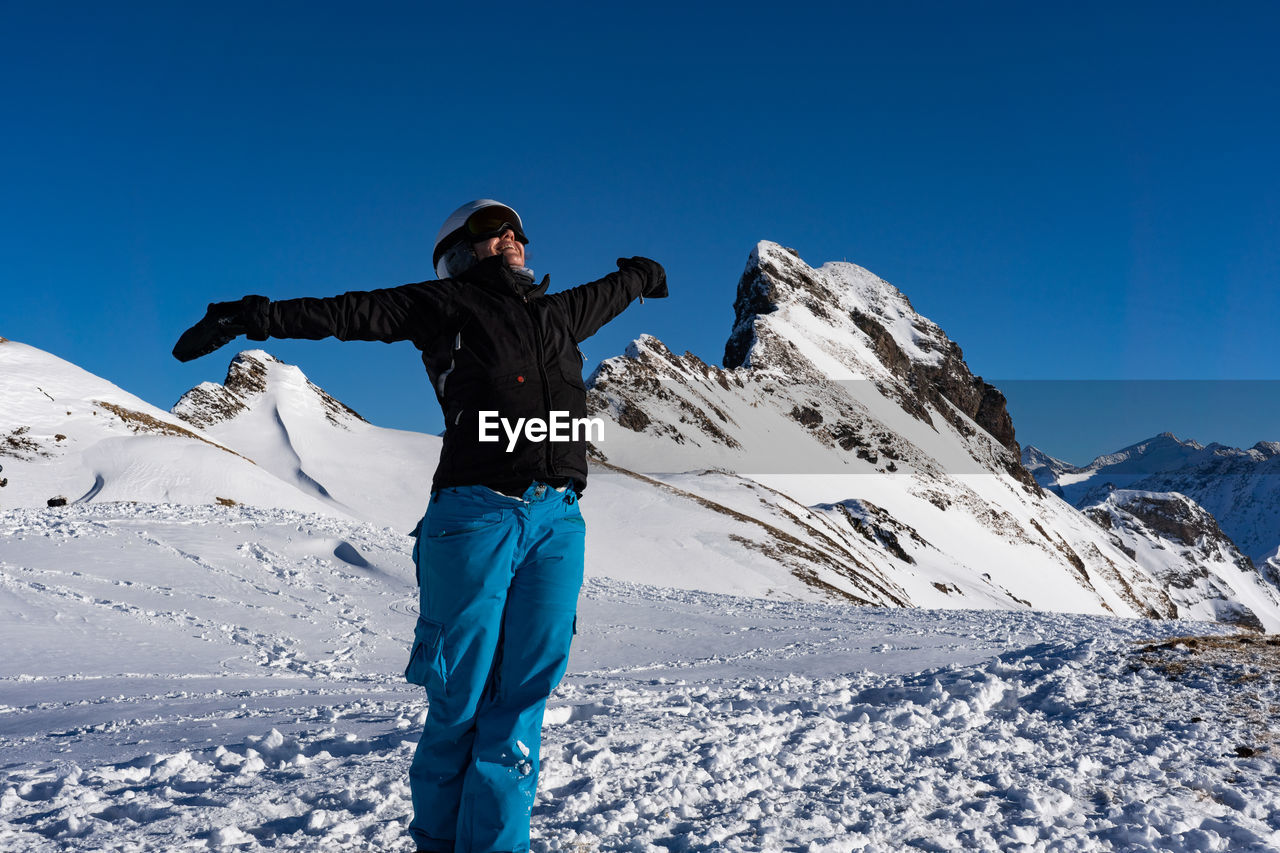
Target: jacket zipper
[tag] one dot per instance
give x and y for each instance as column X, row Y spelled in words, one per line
column 453, row 362
column 542, row 374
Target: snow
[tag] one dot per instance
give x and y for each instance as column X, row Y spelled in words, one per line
column 228, row 678
column 84, row 439
column 865, row 291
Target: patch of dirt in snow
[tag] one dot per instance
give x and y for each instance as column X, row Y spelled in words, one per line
column 142, row 422
column 1248, row 666
column 18, row 445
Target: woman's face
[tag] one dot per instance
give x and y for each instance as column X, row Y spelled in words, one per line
column 505, row 244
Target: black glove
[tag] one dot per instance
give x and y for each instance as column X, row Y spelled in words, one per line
column 655, row 277
column 223, row 323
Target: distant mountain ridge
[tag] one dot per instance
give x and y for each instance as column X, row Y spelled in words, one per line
column 1240, row 488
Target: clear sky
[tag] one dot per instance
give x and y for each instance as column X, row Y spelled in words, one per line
column 1073, row 191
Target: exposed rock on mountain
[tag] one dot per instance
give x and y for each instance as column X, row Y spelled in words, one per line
column 1182, row 546
column 20, row 445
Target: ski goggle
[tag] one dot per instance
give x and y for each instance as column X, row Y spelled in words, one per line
column 491, row 222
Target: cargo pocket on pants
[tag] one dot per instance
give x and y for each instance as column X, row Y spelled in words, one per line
column 426, row 660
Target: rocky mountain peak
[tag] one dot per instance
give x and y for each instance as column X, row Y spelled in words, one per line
column 774, row 274
column 845, row 322
column 1174, row 516
column 1181, row 543
column 1267, row 449
column 1036, row 460
column 824, row 303
column 251, row 375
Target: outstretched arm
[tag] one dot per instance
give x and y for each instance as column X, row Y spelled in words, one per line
column 409, row 312
column 590, row 306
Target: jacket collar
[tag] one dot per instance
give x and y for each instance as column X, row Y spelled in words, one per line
column 493, row 274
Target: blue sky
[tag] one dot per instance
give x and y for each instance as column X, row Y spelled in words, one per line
column 1084, row 191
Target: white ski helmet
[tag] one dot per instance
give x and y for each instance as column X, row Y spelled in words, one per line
column 463, row 228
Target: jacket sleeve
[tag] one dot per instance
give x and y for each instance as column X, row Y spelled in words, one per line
column 589, row 306
column 412, row 312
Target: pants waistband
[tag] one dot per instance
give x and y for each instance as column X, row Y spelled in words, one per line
column 535, row 491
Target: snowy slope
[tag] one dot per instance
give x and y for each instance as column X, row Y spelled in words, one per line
column 67, row 433
column 305, row 449
column 228, row 678
column 272, row 413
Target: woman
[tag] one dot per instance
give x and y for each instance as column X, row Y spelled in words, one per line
column 500, row 549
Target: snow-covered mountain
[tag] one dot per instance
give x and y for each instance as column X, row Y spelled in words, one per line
column 204, row 649
column 66, row 434
column 270, row 412
column 1181, row 545
column 845, row 452
column 847, row 419
column 1241, row 488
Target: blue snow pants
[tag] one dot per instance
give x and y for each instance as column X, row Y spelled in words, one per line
column 498, row 581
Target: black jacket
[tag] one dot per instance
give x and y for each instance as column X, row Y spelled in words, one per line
column 489, row 344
